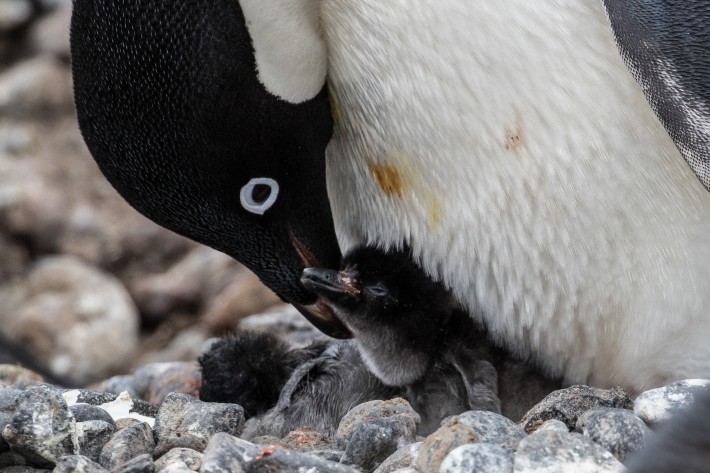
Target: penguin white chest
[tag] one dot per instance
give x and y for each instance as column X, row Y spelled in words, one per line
column 508, row 145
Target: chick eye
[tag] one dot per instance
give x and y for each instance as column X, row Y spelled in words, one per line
column 259, row 194
column 377, row 290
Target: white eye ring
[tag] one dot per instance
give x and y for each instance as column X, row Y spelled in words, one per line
column 246, row 196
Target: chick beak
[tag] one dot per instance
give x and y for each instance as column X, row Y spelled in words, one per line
column 329, row 284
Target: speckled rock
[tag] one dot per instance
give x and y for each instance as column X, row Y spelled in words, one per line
column 80, row 318
column 78, row 464
column 369, row 411
column 493, row 428
column 660, row 404
column 437, row 446
column 306, row 440
column 557, row 452
column 127, row 444
column 370, row 443
column 226, row 453
column 284, row 460
column 568, row 404
column 184, row 421
column 402, row 458
column 92, row 435
column 552, row 425
column 176, row 467
column 189, row 458
column 478, row 457
column 9, row 399
column 617, row 430
column 142, row 463
column 83, row 412
column 117, row 406
column 42, row 429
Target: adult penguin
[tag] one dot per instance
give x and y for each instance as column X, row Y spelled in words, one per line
column 506, row 144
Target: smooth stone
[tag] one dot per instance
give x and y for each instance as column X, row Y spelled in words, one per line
column 617, row 430
column 478, row 457
column 370, row 443
column 190, row 458
column 83, row 412
column 184, row 421
column 493, row 428
column 568, row 404
column 140, row 464
column 437, row 445
column 371, row 410
column 176, row 467
column 402, row 458
column 552, row 425
column 656, row 405
column 557, row 452
column 226, row 453
column 127, row 444
column 42, row 429
column 78, row 464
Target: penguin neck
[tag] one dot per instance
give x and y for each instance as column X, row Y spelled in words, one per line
column 289, row 49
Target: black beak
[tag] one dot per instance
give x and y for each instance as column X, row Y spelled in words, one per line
column 329, row 284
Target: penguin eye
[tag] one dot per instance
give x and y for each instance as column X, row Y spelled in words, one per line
column 259, row 194
column 377, row 290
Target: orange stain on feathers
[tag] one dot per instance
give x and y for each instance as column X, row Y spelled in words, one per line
column 389, row 179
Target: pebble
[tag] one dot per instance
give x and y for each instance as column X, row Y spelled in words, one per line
column 493, row 428
column 142, row 463
column 78, row 464
column 568, row 404
column 184, row 456
column 437, row 445
column 184, row 421
column 552, row 425
column 370, row 443
column 478, row 457
column 307, row 440
column 369, row 411
column 127, row 444
column 154, row 381
column 14, row 13
column 660, row 404
column 617, row 430
column 402, row 458
column 226, row 453
column 557, row 452
column 92, row 435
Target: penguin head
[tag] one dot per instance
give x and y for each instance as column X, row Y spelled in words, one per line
column 398, row 315
column 187, row 118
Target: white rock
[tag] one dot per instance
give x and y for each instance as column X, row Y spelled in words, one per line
column 478, row 457
column 659, row 404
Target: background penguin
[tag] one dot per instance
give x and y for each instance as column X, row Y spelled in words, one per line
column 505, row 143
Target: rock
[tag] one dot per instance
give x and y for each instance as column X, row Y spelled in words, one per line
column 140, row 464
column 80, row 318
column 285, row 460
column 42, row 429
column 83, row 412
column 35, row 88
column 189, row 458
column 9, row 399
column 117, row 384
column 127, row 444
column 568, row 404
column 370, row 443
column 478, row 457
column 372, row 410
column 78, row 464
column 437, row 446
column 225, row 452
column 306, row 440
column 552, row 425
column 327, row 454
column 155, row 381
column 118, row 407
column 14, row 14
column 92, row 435
column 660, row 404
column 617, row 430
column 177, row 467
column 402, row 458
column 184, row 421
column 556, row 452
column 493, row 428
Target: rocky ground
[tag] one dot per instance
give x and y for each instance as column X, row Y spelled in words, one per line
column 102, row 298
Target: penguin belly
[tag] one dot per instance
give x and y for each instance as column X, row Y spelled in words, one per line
column 508, row 145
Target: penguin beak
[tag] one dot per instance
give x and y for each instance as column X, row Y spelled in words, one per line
column 319, row 314
column 329, row 283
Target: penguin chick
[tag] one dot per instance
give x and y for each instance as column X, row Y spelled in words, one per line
column 250, row 369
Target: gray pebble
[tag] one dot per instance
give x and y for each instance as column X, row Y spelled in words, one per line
column 92, row 435
column 177, row 467
column 493, row 428
column 184, row 421
column 327, row 454
column 83, row 412
column 78, row 464
column 41, row 429
column 284, row 460
column 8, row 405
column 190, row 458
column 372, row 442
column 139, row 464
column 556, row 452
column 402, row 458
column 127, row 444
column 118, row 384
column 436, row 446
column 372, row 410
column 568, row 404
column 617, row 430
column 226, row 453
column 552, row 425
column 478, row 457
column 660, row 404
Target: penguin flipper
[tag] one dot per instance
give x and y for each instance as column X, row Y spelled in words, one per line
column 666, row 45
